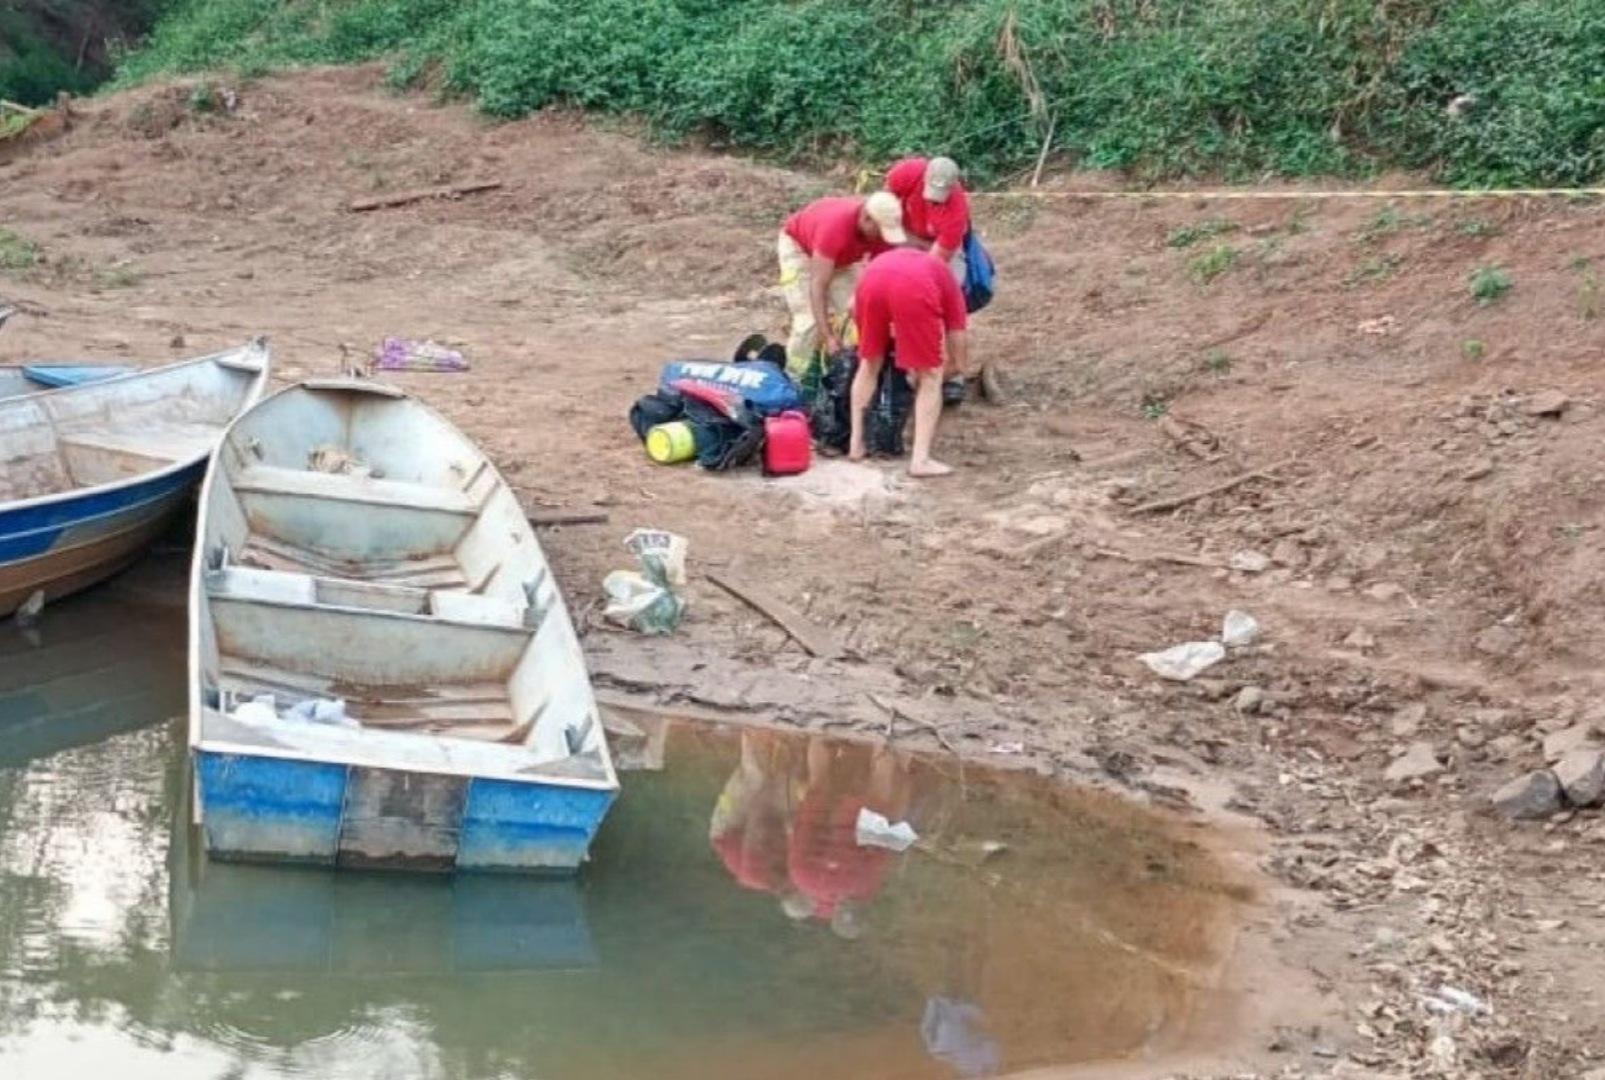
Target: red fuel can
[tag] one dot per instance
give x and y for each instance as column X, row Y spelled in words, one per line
column 787, row 444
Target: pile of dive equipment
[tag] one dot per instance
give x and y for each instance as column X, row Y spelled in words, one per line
column 725, row 415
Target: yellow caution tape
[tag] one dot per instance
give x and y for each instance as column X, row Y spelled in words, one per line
column 1423, row 193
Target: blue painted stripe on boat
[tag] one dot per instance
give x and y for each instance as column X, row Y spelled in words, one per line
column 522, row 826
column 33, row 530
column 271, row 808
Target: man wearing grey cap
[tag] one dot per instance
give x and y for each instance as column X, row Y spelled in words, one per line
column 936, row 216
column 936, row 210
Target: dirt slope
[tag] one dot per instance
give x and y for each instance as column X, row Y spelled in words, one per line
column 1432, row 521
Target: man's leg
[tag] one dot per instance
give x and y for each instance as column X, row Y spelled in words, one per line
column 842, row 287
column 955, row 387
column 863, row 392
column 927, row 413
column 803, row 338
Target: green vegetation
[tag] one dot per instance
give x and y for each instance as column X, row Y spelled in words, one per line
column 1474, row 91
column 1188, row 235
column 17, row 253
column 1489, row 283
column 1472, row 349
column 1588, row 296
column 31, row 69
column 1374, row 271
column 1218, row 361
column 1390, row 220
column 1212, row 264
column 47, row 46
column 1154, row 408
column 1480, row 227
column 117, row 276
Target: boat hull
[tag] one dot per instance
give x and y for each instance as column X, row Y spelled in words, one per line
column 73, row 543
column 263, row 809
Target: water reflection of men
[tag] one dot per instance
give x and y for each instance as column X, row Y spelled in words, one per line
column 832, row 875
column 787, row 823
column 750, row 822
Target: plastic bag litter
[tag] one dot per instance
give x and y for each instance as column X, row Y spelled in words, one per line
column 1240, row 628
column 321, row 711
column 954, row 1031
column 259, row 710
column 403, row 354
column 1452, row 999
column 649, row 599
column 874, row 830
column 1180, row 663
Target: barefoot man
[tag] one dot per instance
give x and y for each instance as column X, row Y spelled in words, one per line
column 818, row 248
column 908, row 296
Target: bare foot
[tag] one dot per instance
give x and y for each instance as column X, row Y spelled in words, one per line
column 856, row 453
column 928, row 467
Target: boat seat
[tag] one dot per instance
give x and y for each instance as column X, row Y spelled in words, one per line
column 158, row 442
column 343, row 487
column 257, row 585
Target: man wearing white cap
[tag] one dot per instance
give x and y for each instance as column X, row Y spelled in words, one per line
column 818, row 248
column 936, row 210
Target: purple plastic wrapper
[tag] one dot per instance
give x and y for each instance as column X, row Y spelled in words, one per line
column 404, row 354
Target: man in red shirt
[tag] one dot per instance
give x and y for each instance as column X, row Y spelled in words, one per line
column 907, row 295
column 818, row 248
column 936, row 210
column 936, row 214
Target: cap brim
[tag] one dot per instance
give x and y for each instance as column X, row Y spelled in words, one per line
column 937, row 194
column 894, row 234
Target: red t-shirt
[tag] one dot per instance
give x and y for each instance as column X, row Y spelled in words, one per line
column 826, row 863
column 908, row 295
column 943, row 223
column 829, row 228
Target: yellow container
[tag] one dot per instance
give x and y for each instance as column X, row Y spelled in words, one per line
column 671, row 442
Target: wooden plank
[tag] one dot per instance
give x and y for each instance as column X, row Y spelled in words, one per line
column 253, row 675
column 444, row 712
column 451, row 191
column 1182, row 500
column 546, row 519
column 342, row 487
column 815, row 639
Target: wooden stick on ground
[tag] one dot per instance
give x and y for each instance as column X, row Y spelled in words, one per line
column 1159, row 505
column 405, row 197
column 1162, row 557
column 895, row 713
column 816, row 640
column 545, row 519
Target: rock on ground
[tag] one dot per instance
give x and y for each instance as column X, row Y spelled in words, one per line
column 1408, row 720
column 1557, row 744
column 1417, row 763
column 1528, row 798
column 1581, row 774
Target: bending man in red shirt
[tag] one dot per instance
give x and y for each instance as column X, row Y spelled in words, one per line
column 908, row 296
column 818, row 248
column 936, row 211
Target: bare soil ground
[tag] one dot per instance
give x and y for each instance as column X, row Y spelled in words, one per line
column 1431, row 523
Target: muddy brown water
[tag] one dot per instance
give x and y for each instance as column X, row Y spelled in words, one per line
column 729, row 924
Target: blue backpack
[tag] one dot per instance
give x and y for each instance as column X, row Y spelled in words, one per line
column 980, row 274
column 755, row 379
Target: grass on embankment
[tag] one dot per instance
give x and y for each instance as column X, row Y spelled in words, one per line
column 1474, row 91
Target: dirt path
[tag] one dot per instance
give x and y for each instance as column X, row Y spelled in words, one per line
column 1430, row 539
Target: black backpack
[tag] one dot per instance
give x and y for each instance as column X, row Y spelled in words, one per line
column 887, row 417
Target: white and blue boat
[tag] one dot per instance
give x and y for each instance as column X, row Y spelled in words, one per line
column 93, row 472
column 383, row 673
